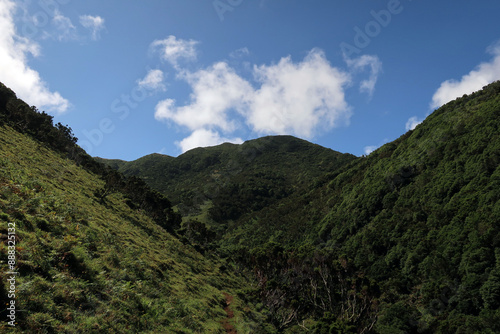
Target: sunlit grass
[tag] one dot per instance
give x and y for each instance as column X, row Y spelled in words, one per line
column 91, row 267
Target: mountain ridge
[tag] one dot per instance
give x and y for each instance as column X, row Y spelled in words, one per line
column 387, row 223
column 255, row 141
column 205, row 171
column 295, row 236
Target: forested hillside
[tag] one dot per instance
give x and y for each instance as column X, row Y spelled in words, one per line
column 274, row 235
column 405, row 240
column 214, row 175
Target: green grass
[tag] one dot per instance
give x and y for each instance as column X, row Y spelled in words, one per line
column 91, row 267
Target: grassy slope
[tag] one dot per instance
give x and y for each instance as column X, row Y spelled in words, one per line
column 91, row 267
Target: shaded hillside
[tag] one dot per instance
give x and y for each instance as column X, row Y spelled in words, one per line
column 250, row 176
column 404, row 240
column 416, row 225
column 454, row 152
column 97, row 263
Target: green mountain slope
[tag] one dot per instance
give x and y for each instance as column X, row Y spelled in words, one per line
column 89, row 263
column 404, row 240
column 419, row 218
column 222, row 183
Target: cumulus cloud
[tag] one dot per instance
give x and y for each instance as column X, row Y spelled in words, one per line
column 15, row 72
column 165, row 110
column 153, row 81
column 172, row 49
column 293, row 98
column 204, row 138
column 476, row 79
column 412, row 123
column 369, row 149
column 216, row 91
column 297, row 98
column 358, row 64
column 94, row 23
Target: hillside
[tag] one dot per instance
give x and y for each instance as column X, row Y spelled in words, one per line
column 404, row 240
column 93, row 258
column 416, row 224
column 216, row 184
column 276, row 234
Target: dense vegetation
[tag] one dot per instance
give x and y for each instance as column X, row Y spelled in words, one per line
column 218, row 173
column 405, row 240
column 295, row 237
column 92, row 251
column 39, row 125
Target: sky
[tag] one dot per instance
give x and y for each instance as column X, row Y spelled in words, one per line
column 133, row 78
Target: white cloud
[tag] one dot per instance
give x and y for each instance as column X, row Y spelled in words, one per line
column 358, row 64
column 242, row 52
column 293, row 98
column 216, row 91
column 298, row 98
column 94, row 23
column 65, row 29
column 412, row 123
column 172, row 49
column 483, row 75
column 153, row 81
column 204, row 138
column 369, row 149
column 165, row 110
column 15, row 72
column 59, row 27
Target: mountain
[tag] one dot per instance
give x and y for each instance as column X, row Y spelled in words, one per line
column 95, row 252
column 281, row 163
column 404, row 240
column 276, row 235
column 414, row 227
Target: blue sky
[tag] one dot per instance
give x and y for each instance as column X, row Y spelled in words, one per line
column 133, row 78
